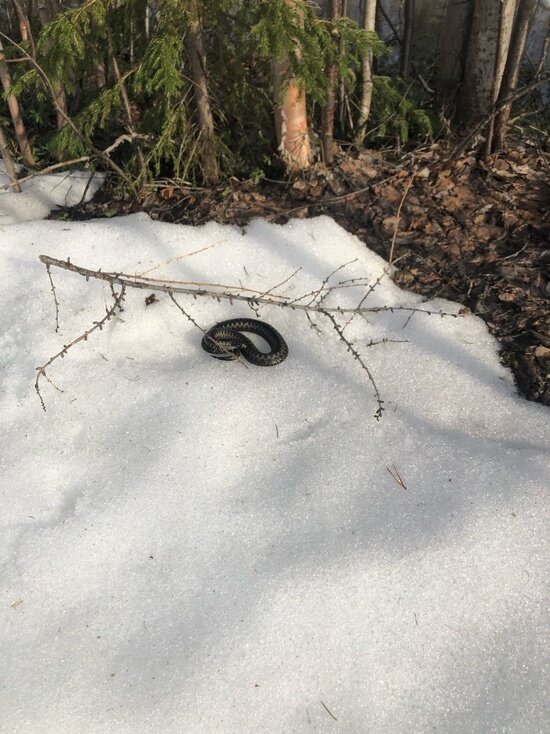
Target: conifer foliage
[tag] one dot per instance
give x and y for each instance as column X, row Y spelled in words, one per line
column 187, row 84
column 199, row 90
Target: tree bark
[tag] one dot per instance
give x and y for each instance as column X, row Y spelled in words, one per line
column 407, row 39
column 474, row 101
column 15, row 112
column 453, row 47
column 291, row 125
column 195, row 46
column 24, row 24
column 327, row 124
column 524, row 18
column 46, row 14
column 506, row 21
column 367, row 83
column 8, row 160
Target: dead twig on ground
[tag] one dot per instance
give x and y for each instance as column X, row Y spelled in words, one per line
column 232, row 294
column 394, row 474
column 110, row 312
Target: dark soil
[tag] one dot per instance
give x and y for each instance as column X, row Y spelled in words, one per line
column 472, row 232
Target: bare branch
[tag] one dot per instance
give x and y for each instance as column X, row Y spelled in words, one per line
column 358, row 357
column 109, row 313
column 208, row 290
column 54, row 298
column 132, row 281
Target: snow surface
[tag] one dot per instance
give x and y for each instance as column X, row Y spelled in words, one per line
column 191, row 546
column 40, row 195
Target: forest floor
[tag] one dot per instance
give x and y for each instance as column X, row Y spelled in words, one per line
column 474, row 233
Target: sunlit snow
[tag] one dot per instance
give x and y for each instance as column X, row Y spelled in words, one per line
column 196, row 546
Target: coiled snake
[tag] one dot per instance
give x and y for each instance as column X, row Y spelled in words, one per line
column 224, row 341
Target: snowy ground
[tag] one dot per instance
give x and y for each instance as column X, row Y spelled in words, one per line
column 42, row 194
column 192, row 546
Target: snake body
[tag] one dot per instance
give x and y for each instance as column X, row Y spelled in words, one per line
column 225, row 341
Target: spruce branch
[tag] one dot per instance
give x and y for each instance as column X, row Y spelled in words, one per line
column 67, row 119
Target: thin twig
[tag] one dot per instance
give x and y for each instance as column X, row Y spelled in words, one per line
column 219, row 344
column 278, row 285
column 355, row 353
column 461, row 147
column 110, row 312
column 54, row 298
column 395, row 475
column 398, row 217
column 329, row 712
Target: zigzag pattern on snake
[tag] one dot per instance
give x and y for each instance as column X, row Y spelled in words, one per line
column 224, row 341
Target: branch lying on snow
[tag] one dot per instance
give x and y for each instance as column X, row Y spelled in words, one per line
column 219, row 292
column 135, row 281
column 109, row 313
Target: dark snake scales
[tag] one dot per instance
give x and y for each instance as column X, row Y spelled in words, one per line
column 225, row 341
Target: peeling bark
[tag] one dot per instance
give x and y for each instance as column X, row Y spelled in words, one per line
column 291, row 125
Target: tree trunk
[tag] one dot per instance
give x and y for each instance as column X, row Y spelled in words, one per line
column 46, row 14
column 367, row 84
column 8, row 160
column 13, row 106
column 195, row 46
column 475, row 96
column 291, row 124
column 525, row 14
column 327, row 124
column 407, row 39
column 506, row 21
column 453, row 46
column 24, row 24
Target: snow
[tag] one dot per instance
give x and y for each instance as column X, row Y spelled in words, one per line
column 40, row 195
column 190, row 545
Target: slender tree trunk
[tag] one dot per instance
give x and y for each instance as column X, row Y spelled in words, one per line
column 407, row 39
column 46, row 14
column 327, row 124
column 24, row 25
column 15, row 112
column 524, row 18
column 195, row 47
column 291, row 125
column 8, row 160
column 506, row 21
column 367, row 84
